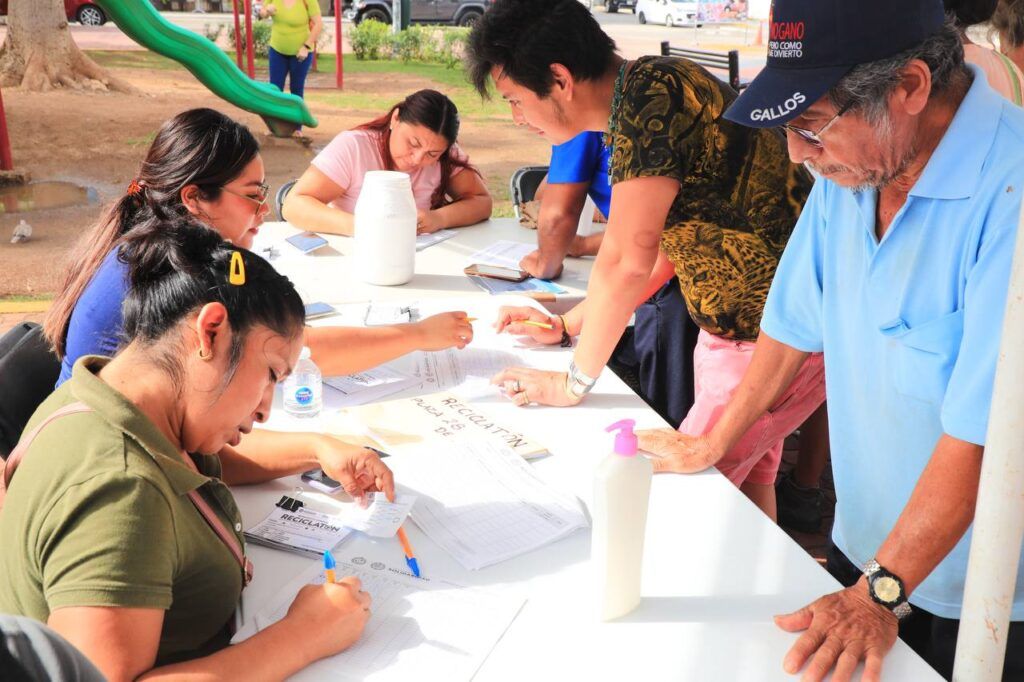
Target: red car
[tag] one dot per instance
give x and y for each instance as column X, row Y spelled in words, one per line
column 82, row 11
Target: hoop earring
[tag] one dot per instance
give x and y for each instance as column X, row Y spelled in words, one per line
column 207, row 357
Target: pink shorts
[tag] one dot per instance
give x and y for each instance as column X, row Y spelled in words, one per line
column 718, row 367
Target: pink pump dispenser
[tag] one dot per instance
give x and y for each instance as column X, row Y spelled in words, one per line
column 625, row 439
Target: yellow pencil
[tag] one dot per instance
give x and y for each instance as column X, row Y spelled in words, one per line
column 534, row 323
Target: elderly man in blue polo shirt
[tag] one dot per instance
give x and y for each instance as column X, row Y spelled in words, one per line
column 898, row 271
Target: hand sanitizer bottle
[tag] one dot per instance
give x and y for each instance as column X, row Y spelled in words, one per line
column 622, row 489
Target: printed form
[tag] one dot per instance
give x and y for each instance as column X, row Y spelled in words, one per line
column 415, row 626
column 483, row 504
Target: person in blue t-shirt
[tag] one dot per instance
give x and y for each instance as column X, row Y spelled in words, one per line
column 897, row 271
column 578, row 168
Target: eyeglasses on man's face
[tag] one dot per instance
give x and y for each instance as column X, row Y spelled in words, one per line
column 812, row 137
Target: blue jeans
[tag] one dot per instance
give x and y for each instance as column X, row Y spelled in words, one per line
column 284, row 66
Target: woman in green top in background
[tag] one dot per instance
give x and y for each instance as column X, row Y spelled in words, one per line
column 118, row 528
column 296, row 28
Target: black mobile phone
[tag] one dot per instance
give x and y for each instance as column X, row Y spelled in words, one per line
column 319, row 309
column 321, row 481
column 497, row 272
column 306, row 242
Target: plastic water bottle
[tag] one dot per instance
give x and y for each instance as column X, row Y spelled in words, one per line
column 303, row 389
column 622, row 489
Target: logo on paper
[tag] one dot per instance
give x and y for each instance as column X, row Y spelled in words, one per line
column 304, row 395
column 779, row 111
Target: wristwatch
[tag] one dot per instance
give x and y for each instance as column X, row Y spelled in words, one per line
column 887, row 589
column 578, row 384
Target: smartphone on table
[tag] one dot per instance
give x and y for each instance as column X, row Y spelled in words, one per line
column 306, row 242
column 497, row 272
column 319, row 309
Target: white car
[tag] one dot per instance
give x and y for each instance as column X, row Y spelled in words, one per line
column 668, row 12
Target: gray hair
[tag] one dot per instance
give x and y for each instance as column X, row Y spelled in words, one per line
column 866, row 88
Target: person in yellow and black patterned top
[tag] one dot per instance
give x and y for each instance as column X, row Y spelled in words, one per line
column 692, row 195
column 739, row 195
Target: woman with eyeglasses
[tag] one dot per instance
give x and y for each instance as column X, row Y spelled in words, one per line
column 204, row 165
column 416, row 136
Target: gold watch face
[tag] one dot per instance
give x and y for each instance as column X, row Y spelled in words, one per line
column 886, row 589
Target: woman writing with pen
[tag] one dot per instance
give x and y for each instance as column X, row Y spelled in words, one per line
column 118, row 528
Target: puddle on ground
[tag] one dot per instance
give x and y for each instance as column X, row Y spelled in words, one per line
column 38, row 196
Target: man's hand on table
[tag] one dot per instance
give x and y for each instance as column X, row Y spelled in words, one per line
column 359, row 470
column 525, row 386
column 841, row 630
column 676, row 452
column 537, row 267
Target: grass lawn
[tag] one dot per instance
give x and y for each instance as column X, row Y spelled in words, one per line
column 451, row 81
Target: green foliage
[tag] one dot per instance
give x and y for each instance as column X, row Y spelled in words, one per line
column 260, row 37
column 372, row 40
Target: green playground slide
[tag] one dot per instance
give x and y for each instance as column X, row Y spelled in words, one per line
column 140, row 21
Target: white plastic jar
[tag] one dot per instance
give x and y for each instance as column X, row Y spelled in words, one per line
column 385, row 229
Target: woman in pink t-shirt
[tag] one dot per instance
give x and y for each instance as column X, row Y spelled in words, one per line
column 417, row 136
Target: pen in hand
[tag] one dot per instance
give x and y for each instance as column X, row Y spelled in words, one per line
column 329, row 566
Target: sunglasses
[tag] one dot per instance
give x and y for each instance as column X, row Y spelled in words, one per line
column 261, row 198
column 811, row 137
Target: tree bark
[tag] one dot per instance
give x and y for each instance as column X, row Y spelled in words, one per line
column 39, row 53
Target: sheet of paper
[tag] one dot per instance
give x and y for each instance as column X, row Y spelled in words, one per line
column 504, row 253
column 415, row 627
column 500, row 286
column 483, row 504
column 379, row 519
column 304, row 531
column 379, row 314
column 424, row 241
column 369, row 386
column 442, row 419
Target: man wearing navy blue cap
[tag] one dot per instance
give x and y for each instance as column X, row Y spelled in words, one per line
column 898, row 271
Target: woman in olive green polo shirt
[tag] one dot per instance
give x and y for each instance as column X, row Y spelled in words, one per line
column 124, row 544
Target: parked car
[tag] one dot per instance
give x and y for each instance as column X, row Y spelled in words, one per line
column 668, row 12
column 82, row 11
column 614, row 6
column 458, row 12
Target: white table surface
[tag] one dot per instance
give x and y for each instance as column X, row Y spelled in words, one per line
column 324, row 275
column 715, row 568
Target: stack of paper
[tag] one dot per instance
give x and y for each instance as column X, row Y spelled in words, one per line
column 483, row 504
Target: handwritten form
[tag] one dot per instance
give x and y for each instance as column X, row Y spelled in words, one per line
column 415, row 626
column 483, row 504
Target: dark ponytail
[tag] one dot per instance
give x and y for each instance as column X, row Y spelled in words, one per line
column 199, row 147
column 435, row 112
column 177, row 266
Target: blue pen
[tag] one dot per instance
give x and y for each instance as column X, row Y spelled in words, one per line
column 329, row 566
column 410, row 558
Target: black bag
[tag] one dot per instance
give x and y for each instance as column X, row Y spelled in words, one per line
column 28, row 371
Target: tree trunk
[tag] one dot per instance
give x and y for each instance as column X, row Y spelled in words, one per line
column 40, row 55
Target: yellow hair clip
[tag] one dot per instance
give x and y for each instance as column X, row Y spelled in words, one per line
column 237, row 275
